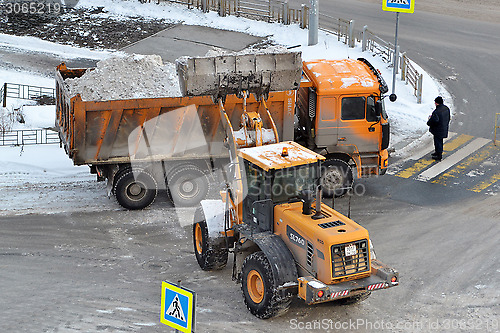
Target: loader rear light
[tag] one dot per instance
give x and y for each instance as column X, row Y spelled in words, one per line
column 320, row 293
column 394, row 279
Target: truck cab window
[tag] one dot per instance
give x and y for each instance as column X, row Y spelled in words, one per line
column 353, row 108
column 371, row 113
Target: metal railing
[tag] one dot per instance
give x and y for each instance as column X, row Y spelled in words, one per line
column 343, row 29
column 24, row 91
column 28, row 137
column 281, row 12
column 373, row 43
column 410, row 75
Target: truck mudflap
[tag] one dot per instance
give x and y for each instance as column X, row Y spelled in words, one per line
column 313, row 291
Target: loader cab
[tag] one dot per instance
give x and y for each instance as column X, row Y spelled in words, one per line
column 275, row 174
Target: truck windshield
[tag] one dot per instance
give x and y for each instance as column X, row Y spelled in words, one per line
column 288, row 183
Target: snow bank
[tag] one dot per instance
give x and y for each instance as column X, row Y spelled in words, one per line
column 34, row 44
column 133, row 76
column 37, row 116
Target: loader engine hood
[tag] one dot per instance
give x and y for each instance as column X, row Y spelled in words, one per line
column 334, row 248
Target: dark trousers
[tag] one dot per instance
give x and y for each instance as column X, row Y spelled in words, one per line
column 438, row 145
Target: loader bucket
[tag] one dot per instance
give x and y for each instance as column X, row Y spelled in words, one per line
column 231, row 74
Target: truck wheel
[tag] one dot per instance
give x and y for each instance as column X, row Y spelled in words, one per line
column 135, row 192
column 336, row 178
column 259, row 290
column 210, row 254
column 354, row 299
column 187, row 186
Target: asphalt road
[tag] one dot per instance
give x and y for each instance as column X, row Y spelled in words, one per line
column 463, row 53
column 102, row 272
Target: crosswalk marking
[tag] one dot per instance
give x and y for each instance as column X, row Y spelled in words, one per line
column 468, row 162
column 452, row 159
column 484, row 185
column 457, row 142
column 416, row 168
column 473, row 160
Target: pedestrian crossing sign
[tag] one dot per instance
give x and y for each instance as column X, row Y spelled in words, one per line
column 177, row 307
column 402, row 6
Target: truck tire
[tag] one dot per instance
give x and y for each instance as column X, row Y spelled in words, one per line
column 354, row 299
column 187, row 186
column 135, row 192
column 210, row 254
column 259, row 290
column 336, row 178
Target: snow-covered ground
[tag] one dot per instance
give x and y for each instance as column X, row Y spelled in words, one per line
column 42, row 178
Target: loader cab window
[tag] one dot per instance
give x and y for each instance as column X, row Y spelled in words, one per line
column 288, row 183
column 353, row 108
column 255, row 181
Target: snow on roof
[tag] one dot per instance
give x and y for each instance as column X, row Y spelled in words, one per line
column 340, row 74
column 270, row 156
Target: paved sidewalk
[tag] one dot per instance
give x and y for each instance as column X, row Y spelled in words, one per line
column 190, row 40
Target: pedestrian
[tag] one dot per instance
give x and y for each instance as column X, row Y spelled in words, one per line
column 438, row 124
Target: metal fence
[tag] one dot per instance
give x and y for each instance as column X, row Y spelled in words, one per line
column 24, row 91
column 278, row 11
column 343, row 29
column 28, row 137
column 410, row 75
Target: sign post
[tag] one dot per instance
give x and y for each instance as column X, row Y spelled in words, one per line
column 177, row 307
column 398, row 6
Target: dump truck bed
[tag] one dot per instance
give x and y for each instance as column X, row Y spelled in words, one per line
column 110, row 132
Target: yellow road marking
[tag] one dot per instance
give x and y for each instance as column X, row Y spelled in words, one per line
column 483, row 185
column 417, row 167
column 457, row 142
column 473, row 160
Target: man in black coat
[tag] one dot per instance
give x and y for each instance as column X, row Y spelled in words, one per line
column 438, row 125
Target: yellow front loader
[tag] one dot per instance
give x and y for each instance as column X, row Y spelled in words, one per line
column 285, row 242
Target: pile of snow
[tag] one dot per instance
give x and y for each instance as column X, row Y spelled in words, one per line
column 37, row 116
column 133, row 76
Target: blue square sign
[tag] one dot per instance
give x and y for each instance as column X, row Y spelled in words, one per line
column 177, row 307
column 402, row 6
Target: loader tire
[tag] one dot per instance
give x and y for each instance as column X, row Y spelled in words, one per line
column 135, row 192
column 187, row 186
column 336, row 178
column 211, row 254
column 259, row 290
column 354, row 299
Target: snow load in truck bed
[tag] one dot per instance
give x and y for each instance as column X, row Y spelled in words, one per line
column 133, row 76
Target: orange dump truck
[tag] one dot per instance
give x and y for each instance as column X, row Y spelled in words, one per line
column 176, row 143
column 183, row 135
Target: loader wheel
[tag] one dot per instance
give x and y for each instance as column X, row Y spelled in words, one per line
column 187, row 186
column 135, row 192
column 259, row 290
column 336, row 178
column 210, row 254
column 354, row 299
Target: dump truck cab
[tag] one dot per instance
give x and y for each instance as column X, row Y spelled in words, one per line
column 341, row 113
